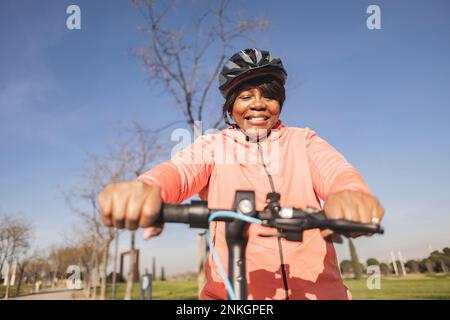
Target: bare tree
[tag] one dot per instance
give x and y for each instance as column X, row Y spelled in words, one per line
column 89, row 253
column 6, row 245
column 94, row 239
column 22, row 264
column 126, row 159
column 4, row 249
column 135, row 155
column 186, row 60
column 15, row 241
column 38, row 267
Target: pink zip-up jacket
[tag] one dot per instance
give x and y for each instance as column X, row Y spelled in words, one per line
column 304, row 168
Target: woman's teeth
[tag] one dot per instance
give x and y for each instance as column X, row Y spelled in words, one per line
column 257, row 119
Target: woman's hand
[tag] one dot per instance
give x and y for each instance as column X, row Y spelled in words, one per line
column 354, row 206
column 131, row 204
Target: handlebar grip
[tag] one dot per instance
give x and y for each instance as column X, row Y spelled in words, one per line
column 343, row 226
column 195, row 214
column 177, row 213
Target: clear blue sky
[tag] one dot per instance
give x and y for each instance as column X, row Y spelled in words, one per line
column 379, row 96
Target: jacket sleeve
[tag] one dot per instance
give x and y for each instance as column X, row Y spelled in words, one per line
column 186, row 174
column 330, row 171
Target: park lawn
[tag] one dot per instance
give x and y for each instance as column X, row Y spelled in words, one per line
column 411, row 287
column 163, row 290
column 414, row 287
column 24, row 289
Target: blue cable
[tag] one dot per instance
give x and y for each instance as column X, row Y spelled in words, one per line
column 228, row 214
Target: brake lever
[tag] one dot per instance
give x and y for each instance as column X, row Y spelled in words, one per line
column 342, row 225
column 311, row 218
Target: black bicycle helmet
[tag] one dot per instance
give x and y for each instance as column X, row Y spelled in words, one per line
column 248, row 64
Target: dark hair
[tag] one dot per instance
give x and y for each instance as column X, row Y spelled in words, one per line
column 269, row 86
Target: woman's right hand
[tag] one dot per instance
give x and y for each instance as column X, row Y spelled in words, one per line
column 131, row 204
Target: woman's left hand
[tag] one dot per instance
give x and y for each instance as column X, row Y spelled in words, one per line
column 354, row 206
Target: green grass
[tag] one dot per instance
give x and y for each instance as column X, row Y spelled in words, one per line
column 416, row 287
column 162, row 290
column 24, row 289
column 419, row 286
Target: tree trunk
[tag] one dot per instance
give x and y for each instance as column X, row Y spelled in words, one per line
column 154, row 269
column 19, row 283
column 53, row 278
column 8, row 281
column 1, row 264
column 130, row 277
column 7, row 291
column 429, row 266
column 9, row 276
column 90, row 272
column 104, row 270
column 91, row 284
column 114, row 279
column 95, row 277
column 163, row 274
column 355, row 260
column 86, row 282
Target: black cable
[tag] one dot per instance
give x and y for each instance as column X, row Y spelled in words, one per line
column 283, row 270
column 280, row 249
column 272, row 185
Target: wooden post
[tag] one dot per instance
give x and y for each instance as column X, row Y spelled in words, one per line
column 402, row 264
column 131, row 269
column 394, row 263
column 114, row 278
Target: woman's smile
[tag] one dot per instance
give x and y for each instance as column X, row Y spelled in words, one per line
column 257, row 120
